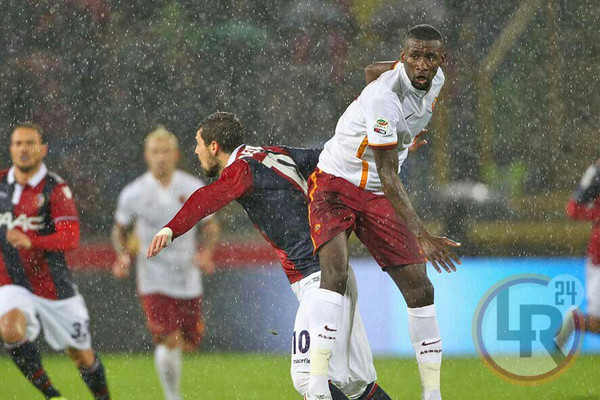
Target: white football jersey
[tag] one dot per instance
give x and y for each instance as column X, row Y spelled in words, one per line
column 389, row 113
column 150, row 205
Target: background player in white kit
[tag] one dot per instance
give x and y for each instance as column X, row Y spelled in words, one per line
column 170, row 285
column 356, row 188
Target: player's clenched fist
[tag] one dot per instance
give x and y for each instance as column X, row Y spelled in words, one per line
column 436, row 250
column 161, row 240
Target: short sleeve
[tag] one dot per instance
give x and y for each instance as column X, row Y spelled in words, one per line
column 382, row 116
column 125, row 212
column 62, row 205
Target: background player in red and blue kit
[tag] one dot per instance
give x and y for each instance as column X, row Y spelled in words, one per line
column 270, row 184
column 585, row 206
column 38, row 223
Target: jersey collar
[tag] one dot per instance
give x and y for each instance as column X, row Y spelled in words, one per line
column 35, row 179
column 234, row 155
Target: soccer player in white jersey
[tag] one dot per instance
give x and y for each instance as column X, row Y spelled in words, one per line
column 169, row 286
column 356, row 187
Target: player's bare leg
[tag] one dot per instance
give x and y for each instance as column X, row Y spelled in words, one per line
column 168, row 363
column 333, row 257
column 13, row 328
column 92, row 371
column 413, row 282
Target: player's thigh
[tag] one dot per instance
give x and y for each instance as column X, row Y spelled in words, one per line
column 191, row 322
column 161, row 315
column 592, row 283
column 385, row 235
column 66, row 323
column 18, row 314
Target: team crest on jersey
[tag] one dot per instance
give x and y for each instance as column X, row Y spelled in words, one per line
column 40, row 200
column 317, row 229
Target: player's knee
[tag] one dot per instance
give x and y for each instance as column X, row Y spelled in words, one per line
column 82, row 358
column 420, row 294
column 13, row 326
column 300, row 380
column 172, row 340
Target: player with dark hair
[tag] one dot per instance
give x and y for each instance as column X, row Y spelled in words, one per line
column 585, row 206
column 270, row 184
column 38, row 223
column 357, row 188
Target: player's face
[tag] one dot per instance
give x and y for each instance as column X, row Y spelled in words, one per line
column 26, row 149
column 421, row 59
column 207, row 156
column 161, row 156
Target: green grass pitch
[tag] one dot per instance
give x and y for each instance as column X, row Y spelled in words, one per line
column 217, row 376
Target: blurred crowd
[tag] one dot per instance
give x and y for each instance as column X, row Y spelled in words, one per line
column 98, row 75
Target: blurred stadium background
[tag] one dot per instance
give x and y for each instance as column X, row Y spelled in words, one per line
column 515, row 127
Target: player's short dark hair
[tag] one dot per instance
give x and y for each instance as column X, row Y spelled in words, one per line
column 423, row 32
column 224, row 128
column 34, row 126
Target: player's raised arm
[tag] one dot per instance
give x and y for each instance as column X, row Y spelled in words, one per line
column 233, row 183
column 434, row 248
column 373, row 71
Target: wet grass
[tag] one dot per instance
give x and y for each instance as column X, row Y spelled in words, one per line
column 253, row 376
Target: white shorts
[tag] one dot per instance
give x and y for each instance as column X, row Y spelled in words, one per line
column 65, row 322
column 592, row 289
column 351, row 365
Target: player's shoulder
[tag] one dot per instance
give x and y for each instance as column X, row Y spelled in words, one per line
column 439, row 78
column 135, row 185
column 55, row 178
column 186, row 179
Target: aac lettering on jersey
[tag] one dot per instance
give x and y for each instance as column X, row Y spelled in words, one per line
column 22, row 221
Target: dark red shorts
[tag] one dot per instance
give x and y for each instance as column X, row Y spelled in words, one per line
column 336, row 205
column 166, row 314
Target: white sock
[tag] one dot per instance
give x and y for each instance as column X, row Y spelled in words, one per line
column 168, row 366
column 425, row 337
column 327, row 306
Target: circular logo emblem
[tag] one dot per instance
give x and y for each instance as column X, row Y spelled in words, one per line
column 527, row 328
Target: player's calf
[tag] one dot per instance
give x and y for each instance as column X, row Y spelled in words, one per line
column 92, row 372
column 27, row 358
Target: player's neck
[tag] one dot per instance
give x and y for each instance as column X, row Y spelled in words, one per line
column 223, row 160
column 164, row 179
column 23, row 177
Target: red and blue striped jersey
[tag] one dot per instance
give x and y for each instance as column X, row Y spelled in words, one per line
column 270, row 184
column 44, row 210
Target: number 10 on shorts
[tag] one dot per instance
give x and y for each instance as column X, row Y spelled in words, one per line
column 300, row 342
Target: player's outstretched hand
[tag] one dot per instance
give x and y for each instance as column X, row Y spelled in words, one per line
column 418, row 141
column 161, row 240
column 18, row 239
column 437, row 250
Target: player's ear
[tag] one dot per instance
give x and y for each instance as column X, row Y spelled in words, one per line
column 443, row 58
column 44, row 150
column 214, row 147
column 402, row 58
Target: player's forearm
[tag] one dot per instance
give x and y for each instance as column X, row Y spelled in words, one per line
column 387, row 167
column 211, row 234
column 65, row 238
column 118, row 238
column 373, row 71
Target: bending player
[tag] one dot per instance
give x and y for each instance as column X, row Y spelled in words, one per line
column 270, row 184
column 585, row 206
column 38, row 223
column 357, row 188
column 169, row 286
